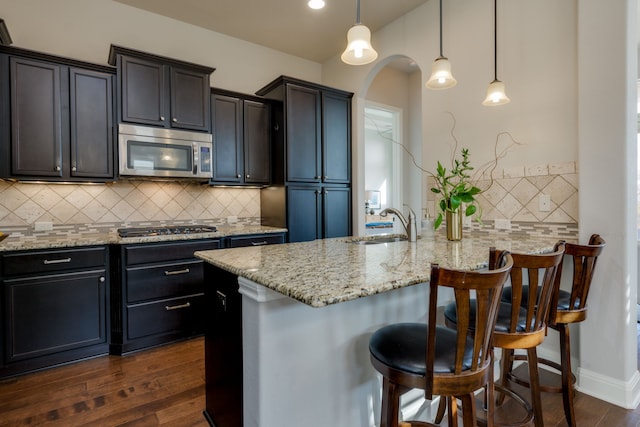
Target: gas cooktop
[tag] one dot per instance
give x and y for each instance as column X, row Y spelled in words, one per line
column 164, row 231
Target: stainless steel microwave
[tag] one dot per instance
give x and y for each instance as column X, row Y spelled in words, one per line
column 164, row 153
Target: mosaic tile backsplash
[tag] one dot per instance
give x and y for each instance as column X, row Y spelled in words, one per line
column 123, row 202
column 515, row 194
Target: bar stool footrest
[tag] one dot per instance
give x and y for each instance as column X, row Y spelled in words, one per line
column 543, row 387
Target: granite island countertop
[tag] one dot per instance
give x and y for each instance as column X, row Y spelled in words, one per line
column 62, row 239
column 323, row 272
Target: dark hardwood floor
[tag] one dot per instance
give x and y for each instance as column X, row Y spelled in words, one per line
column 165, row 387
column 158, row 387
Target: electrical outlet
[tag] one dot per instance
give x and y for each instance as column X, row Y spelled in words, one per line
column 544, row 202
column 502, row 224
column 43, row 226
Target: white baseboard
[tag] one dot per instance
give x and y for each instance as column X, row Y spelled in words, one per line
column 625, row 394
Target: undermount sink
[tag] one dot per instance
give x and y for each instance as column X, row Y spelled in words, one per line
column 378, row 240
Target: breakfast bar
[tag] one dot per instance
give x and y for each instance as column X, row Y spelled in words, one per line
column 308, row 310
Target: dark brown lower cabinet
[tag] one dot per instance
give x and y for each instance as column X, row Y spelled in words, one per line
column 159, row 296
column 56, row 316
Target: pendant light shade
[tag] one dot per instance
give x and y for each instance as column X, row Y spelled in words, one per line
column 496, row 94
column 359, row 50
column 441, row 77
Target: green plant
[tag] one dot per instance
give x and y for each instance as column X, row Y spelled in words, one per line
column 455, row 187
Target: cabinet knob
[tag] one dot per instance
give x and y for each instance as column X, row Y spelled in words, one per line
column 174, row 120
column 101, row 279
column 162, row 118
column 239, row 176
column 325, row 192
column 248, row 176
column 58, row 168
column 73, row 169
column 316, row 177
column 325, row 177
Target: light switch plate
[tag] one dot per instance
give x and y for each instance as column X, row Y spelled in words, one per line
column 544, row 202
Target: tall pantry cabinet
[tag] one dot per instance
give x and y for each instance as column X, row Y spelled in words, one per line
column 311, row 160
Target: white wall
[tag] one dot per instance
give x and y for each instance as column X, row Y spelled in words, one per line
column 608, row 164
column 85, row 29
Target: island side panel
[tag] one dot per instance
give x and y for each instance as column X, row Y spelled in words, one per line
column 310, row 366
column 223, row 349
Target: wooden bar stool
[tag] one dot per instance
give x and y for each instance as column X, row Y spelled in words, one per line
column 523, row 327
column 567, row 307
column 442, row 361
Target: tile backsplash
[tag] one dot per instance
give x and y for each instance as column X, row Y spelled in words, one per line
column 123, row 202
column 516, row 192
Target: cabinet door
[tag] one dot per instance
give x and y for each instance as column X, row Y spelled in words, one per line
column 91, row 110
column 257, row 142
column 50, row 314
column 336, row 211
column 189, row 100
column 303, row 134
column 36, row 137
column 336, row 146
column 143, row 91
column 303, row 213
column 227, row 138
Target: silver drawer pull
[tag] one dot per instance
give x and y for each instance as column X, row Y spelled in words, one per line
column 264, row 242
column 173, row 273
column 56, row 261
column 177, row 307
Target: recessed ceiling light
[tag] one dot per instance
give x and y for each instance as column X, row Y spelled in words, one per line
column 316, row 4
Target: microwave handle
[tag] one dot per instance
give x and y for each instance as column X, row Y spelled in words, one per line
column 195, row 159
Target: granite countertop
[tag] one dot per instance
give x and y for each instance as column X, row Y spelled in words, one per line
column 329, row 271
column 62, row 239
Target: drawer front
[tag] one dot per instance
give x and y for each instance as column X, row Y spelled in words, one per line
column 164, row 281
column 36, row 262
column 166, row 316
column 158, row 252
column 259, row 240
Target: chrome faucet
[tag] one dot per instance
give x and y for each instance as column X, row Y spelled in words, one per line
column 409, row 224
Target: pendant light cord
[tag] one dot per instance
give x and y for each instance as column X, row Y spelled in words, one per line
column 358, row 12
column 495, row 39
column 441, row 55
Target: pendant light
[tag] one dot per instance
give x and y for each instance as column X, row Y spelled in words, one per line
column 495, row 92
column 359, row 50
column 316, row 4
column 441, row 77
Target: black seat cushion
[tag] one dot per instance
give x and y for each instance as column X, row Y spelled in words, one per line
column 403, row 346
column 564, row 298
column 503, row 323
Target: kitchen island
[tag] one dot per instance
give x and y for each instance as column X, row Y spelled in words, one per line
column 307, row 312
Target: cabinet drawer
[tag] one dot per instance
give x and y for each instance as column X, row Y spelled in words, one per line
column 164, row 281
column 158, row 252
column 36, row 262
column 237, row 242
column 166, row 316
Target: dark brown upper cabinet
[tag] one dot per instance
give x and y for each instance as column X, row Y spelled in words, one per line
column 241, row 139
column 57, row 118
column 313, row 131
column 160, row 91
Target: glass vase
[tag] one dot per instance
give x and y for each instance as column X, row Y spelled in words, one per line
column 454, row 225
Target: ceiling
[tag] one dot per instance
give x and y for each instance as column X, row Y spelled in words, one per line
column 289, row 26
